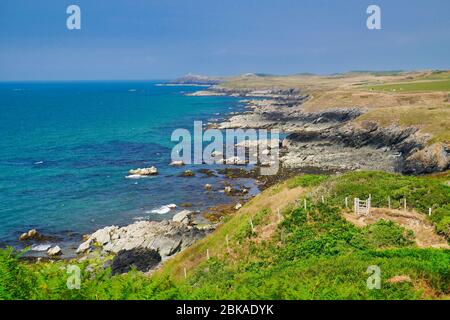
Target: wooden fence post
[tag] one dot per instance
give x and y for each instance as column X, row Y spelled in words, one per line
column 207, row 254
column 429, row 211
column 389, row 202
column 251, row 224
column 323, row 199
column 304, row 203
column 404, row 204
column 346, row 202
column 185, row 273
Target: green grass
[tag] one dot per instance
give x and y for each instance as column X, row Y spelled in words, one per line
column 440, row 85
column 312, row 254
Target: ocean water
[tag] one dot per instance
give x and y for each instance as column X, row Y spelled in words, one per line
column 66, row 147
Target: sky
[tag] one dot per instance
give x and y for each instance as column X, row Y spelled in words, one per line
column 163, row 39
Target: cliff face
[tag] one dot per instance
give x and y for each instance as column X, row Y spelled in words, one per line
column 331, row 139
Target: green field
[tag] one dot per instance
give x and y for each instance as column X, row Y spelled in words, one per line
column 443, row 85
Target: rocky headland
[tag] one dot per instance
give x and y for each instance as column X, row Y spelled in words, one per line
column 333, row 139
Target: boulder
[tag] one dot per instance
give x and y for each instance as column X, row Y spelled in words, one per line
column 228, row 190
column 208, row 187
column 238, row 206
column 144, row 171
column 184, row 216
column 55, row 251
column 177, row 163
column 85, row 246
column 188, row 173
column 139, row 258
column 167, row 237
column 32, row 234
column 104, row 235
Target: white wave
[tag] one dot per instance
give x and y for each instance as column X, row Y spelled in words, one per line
column 164, row 209
column 135, row 176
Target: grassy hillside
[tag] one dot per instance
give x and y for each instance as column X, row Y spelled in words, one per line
column 290, row 253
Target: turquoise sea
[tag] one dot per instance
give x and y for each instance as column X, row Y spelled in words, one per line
column 66, row 147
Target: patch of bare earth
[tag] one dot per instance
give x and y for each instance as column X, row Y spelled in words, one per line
column 426, row 236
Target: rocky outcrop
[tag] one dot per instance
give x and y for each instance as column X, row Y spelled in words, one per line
column 55, row 251
column 184, row 217
column 32, row 234
column 142, row 259
column 144, row 171
column 332, row 140
column 166, row 237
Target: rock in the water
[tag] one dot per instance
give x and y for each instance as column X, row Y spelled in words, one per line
column 167, row 237
column 188, row 173
column 144, row 171
column 32, row 234
column 55, row 251
column 208, row 187
column 139, row 258
column 228, row 190
column 183, row 217
column 85, row 246
column 177, row 163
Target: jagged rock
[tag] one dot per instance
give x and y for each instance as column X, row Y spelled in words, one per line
column 55, row 251
column 32, row 234
column 139, row 258
column 167, row 237
column 144, row 171
column 85, row 246
column 183, row 217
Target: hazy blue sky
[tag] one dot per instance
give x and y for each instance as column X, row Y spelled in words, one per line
column 156, row 39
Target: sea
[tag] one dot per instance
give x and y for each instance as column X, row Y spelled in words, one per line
column 66, row 149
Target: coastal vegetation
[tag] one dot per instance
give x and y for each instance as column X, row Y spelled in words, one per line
column 295, row 240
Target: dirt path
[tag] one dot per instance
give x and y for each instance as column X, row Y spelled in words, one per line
column 423, row 230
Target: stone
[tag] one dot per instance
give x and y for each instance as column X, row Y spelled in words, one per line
column 55, row 251
column 140, row 258
column 144, row 171
column 228, row 190
column 32, row 234
column 85, row 246
column 238, row 206
column 208, row 187
column 183, row 217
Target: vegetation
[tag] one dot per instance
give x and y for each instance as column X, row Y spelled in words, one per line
column 298, row 253
column 443, row 85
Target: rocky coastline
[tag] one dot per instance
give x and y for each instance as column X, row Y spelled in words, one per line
column 328, row 140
